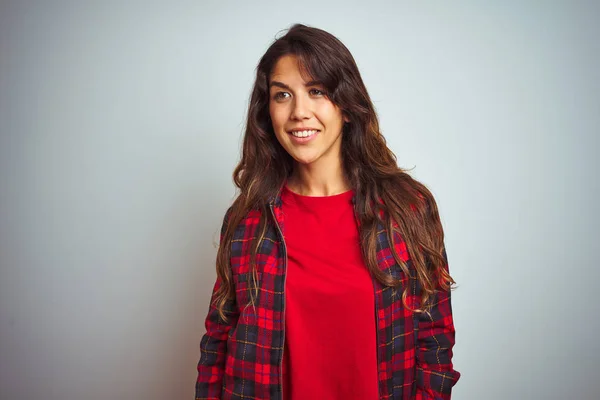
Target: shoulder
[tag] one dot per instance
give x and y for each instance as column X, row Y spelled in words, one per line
column 424, row 203
column 249, row 219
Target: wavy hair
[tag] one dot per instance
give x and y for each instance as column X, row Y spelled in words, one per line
column 384, row 193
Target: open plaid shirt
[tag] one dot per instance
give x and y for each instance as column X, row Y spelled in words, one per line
column 242, row 359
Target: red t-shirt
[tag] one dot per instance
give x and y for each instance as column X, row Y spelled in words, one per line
column 330, row 335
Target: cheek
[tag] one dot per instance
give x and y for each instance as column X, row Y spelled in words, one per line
column 333, row 118
column 329, row 112
column 278, row 117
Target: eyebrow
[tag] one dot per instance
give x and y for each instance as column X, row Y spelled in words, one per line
column 284, row 86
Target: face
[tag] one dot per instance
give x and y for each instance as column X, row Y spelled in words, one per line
column 306, row 123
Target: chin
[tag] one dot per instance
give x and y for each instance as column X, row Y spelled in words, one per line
column 302, row 157
column 305, row 160
column 301, row 161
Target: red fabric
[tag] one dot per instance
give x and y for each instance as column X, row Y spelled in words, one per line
column 330, row 343
column 240, row 357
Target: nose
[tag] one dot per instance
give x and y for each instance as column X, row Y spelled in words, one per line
column 301, row 108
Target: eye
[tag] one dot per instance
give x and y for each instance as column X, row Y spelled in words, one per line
column 317, row 92
column 280, row 95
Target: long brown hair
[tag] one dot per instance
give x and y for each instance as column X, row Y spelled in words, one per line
column 384, row 193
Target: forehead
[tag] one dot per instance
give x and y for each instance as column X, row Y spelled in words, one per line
column 289, row 69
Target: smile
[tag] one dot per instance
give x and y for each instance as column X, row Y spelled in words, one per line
column 303, row 134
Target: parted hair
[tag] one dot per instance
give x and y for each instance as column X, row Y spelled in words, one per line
column 384, row 193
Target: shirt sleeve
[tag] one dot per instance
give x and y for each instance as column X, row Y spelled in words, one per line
column 436, row 337
column 213, row 345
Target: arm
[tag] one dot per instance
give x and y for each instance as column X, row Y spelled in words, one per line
column 213, row 346
column 435, row 372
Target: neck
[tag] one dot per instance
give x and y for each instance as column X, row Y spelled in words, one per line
column 310, row 181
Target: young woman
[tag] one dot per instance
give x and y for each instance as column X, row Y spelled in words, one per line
column 332, row 278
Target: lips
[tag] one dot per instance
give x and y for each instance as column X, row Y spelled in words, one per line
column 303, row 133
column 304, row 137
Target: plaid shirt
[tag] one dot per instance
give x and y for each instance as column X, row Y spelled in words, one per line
column 242, row 359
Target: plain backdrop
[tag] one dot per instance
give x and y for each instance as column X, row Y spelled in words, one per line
column 120, row 127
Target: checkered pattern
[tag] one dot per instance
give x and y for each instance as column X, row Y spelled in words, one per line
column 242, row 359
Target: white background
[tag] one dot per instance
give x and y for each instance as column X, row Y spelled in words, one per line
column 120, row 127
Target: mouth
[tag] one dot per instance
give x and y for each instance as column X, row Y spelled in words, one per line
column 303, row 133
column 303, row 136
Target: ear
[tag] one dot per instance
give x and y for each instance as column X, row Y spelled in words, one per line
column 345, row 118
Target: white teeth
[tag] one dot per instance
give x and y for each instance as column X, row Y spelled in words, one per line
column 304, row 134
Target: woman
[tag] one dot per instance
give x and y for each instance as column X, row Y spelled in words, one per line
column 332, row 275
